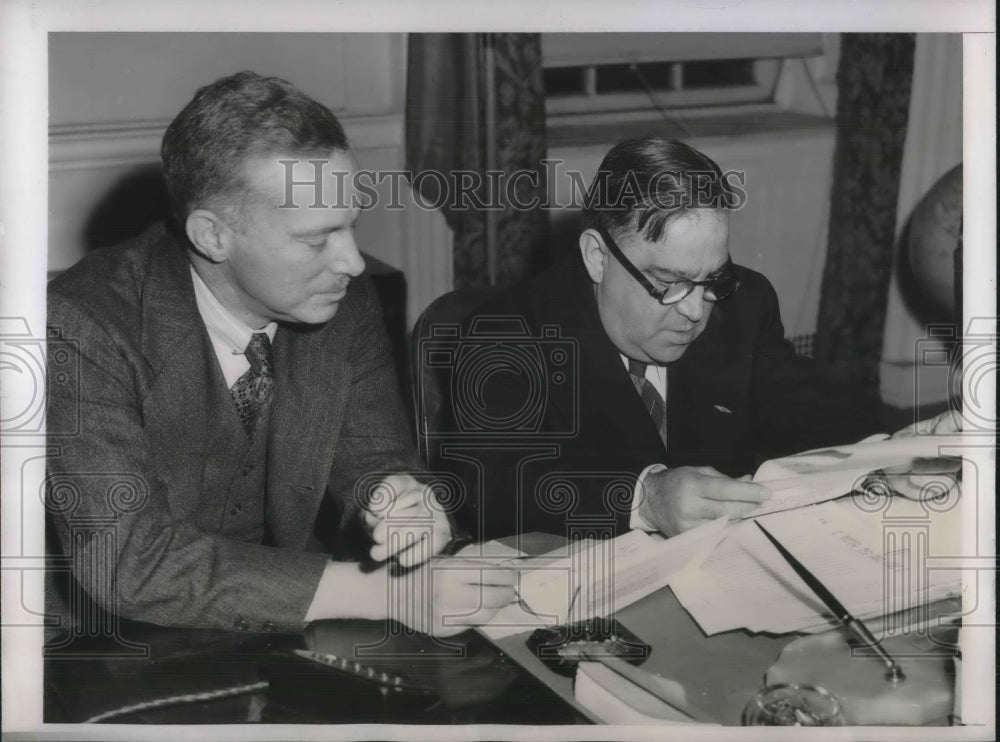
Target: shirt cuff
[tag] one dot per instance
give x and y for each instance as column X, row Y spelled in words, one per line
column 637, row 521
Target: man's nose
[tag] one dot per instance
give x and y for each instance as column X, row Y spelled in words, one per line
column 692, row 306
column 347, row 257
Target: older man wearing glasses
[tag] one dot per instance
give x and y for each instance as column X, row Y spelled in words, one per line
column 656, row 376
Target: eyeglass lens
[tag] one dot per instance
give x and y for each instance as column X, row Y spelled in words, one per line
column 716, row 289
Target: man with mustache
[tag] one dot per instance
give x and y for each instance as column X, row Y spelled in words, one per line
column 234, row 376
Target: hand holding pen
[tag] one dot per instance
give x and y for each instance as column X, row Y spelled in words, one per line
column 406, row 521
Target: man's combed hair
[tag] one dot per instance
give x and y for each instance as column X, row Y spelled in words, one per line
column 646, row 182
column 231, row 120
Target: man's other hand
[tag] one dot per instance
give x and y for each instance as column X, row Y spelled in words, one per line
column 463, row 593
column 947, row 422
column 406, row 520
column 929, row 478
column 677, row 500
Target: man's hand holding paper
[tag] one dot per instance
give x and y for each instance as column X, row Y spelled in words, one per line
column 679, row 499
column 917, row 467
column 930, row 477
column 946, row 423
column 676, row 500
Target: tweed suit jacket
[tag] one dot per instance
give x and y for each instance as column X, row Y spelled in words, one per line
column 738, row 396
column 151, row 411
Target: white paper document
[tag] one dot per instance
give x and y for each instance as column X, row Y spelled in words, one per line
column 827, row 473
column 598, row 577
column 874, row 562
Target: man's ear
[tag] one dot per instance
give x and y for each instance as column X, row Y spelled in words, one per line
column 208, row 234
column 595, row 254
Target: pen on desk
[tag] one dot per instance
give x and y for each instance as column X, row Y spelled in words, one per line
column 894, row 674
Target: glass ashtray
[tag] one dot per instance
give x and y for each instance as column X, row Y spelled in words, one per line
column 793, row 705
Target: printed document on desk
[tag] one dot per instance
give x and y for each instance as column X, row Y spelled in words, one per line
column 827, row 473
column 598, row 577
column 873, row 564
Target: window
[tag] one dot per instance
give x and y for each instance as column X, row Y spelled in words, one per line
column 598, row 73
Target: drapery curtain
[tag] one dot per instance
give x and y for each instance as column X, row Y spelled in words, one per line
column 874, row 79
column 476, row 103
column 933, row 147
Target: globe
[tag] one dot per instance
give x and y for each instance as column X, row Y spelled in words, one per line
column 935, row 235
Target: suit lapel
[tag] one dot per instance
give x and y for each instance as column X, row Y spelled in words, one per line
column 177, row 348
column 707, row 388
column 708, row 404
column 313, row 382
column 609, row 401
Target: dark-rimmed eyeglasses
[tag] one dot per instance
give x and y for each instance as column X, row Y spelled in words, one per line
column 716, row 288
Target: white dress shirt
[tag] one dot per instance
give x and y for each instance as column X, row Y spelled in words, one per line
column 229, row 336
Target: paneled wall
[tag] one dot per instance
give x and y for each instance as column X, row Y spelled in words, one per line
column 113, row 94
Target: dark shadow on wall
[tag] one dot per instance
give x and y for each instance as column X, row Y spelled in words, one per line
column 135, row 202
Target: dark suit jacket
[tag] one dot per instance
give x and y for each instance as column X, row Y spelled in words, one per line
column 738, row 396
column 147, row 452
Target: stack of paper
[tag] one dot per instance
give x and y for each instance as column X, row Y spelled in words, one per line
column 874, row 562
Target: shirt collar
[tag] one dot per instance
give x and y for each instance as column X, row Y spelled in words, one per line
column 220, row 322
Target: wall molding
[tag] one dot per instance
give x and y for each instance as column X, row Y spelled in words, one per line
column 122, row 143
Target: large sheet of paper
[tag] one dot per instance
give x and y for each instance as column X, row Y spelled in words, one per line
column 827, row 473
column 874, row 561
column 596, row 578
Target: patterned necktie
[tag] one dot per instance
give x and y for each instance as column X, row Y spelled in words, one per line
column 651, row 398
column 252, row 391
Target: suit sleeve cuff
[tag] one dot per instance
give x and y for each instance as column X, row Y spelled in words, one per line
column 636, row 520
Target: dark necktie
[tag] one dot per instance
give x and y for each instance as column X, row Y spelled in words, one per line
column 651, row 398
column 252, row 391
